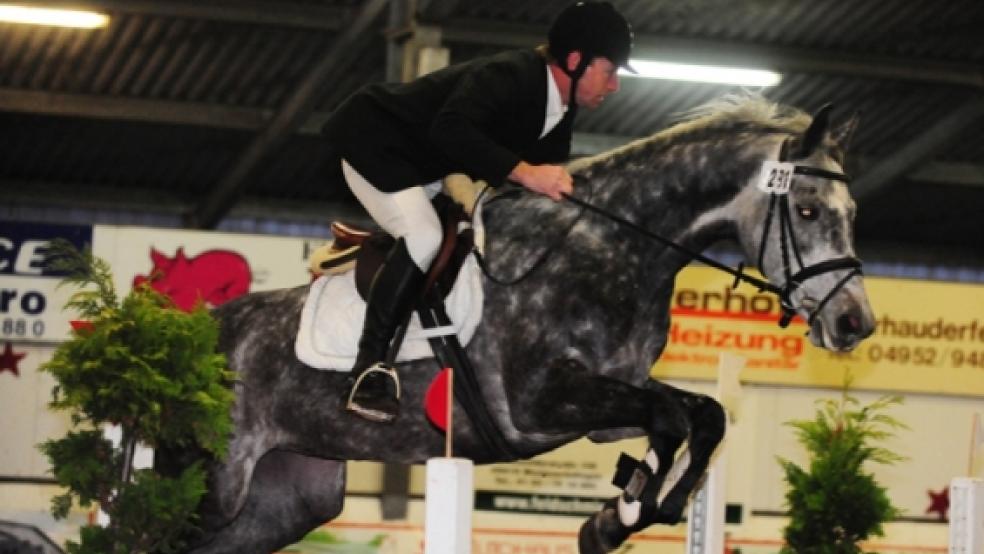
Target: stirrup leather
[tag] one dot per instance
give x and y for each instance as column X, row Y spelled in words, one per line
column 378, row 367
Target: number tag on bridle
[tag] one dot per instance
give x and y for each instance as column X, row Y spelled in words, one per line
column 775, row 177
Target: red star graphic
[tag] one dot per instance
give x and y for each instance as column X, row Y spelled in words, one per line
column 8, row 360
column 939, row 502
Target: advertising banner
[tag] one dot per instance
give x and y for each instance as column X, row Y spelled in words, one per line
column 192, row 266
column 188, row 266
column 929, row 337
column 30, row 299
column 574, row 480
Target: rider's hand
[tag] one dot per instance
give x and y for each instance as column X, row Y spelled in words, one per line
column 548, row 180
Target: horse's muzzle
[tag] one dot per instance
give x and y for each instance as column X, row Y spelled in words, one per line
column 842, row 332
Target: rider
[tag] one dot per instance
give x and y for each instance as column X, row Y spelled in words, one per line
column 507, row 116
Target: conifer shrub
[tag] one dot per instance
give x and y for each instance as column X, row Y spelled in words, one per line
column 835, row 503
column 154, row 371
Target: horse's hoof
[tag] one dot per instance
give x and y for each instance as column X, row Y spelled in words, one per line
column 670, row 512
column 602, row 532
column 588, row 541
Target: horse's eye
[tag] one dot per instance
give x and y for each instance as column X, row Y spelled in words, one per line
column 808, row 213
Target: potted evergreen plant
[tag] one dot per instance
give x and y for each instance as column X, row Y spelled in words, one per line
column 834, row 503
column 153, row 370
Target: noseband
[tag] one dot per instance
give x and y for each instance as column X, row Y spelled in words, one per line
column 784, row 172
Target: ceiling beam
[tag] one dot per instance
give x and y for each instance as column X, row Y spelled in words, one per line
column 949, row 173
column 74, row 195
column 915, row 153
column 436, row 11
column 720, row 52
column 133, row 109
column 32, row 194
column 261, row 12
column 253, row 120
column 400, row 27
column 293, row 113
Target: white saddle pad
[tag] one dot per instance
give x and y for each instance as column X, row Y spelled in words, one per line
column 331, row 321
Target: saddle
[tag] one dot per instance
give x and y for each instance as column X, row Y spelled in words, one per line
column 366, row 249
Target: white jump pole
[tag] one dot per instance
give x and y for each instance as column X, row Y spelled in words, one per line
column 966, row 515
column 143, row 457
column 705, row 518
column 448, row 497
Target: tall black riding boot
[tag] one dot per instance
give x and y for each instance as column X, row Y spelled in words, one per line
column 375, row 390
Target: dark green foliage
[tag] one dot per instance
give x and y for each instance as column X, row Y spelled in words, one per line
column 835, row 504
column 154, row 371
column 85, row 462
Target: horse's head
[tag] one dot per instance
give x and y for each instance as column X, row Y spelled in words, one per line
column 797, row 223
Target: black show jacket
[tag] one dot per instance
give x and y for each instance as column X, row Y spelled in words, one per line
column 480, row 118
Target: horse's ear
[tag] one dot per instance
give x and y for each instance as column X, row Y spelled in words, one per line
column 814, row 134
column 841, row 138
column 845, row 131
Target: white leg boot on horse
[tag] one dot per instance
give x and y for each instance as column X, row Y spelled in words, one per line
column 375, row 390
column 606, row 530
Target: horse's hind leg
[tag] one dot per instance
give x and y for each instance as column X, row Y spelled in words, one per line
column 290, row 495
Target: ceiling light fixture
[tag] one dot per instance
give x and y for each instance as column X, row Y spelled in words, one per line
column 15, row 13
column 651, row 69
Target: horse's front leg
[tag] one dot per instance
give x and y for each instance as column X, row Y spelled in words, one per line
column 607, row 529
column 230, row 478
column 568, row 398
column 707, row 420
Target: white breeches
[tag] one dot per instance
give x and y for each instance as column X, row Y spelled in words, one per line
column 406, row 214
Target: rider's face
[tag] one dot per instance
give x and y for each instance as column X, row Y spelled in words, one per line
column 599, row 80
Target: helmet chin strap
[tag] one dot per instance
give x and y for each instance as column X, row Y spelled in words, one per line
column 575, row 76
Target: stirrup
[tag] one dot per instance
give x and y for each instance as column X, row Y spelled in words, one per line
column 378, row 367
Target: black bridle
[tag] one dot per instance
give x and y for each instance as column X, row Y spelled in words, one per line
column 787, row 242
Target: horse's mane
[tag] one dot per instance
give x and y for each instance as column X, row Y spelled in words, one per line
column 738, row 112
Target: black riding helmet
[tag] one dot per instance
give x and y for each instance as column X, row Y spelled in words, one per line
column 594, row 29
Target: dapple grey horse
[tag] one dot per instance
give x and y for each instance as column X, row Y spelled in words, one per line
column 564, row 352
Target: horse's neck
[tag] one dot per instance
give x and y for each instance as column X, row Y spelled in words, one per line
column 679, row 192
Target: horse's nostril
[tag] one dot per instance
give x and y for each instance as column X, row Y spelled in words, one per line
column 848, row 324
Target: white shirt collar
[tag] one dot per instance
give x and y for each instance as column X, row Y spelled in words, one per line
column 555, row 107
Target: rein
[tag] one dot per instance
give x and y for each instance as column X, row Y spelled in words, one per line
column 539, row 261
column 738, row 273
column 786, row 239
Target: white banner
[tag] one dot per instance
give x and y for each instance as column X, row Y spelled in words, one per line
column 30, row 300
column 32, row 309
column 188, row 266
column 199, row 265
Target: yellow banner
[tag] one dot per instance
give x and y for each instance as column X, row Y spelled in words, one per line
column 929, row 337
